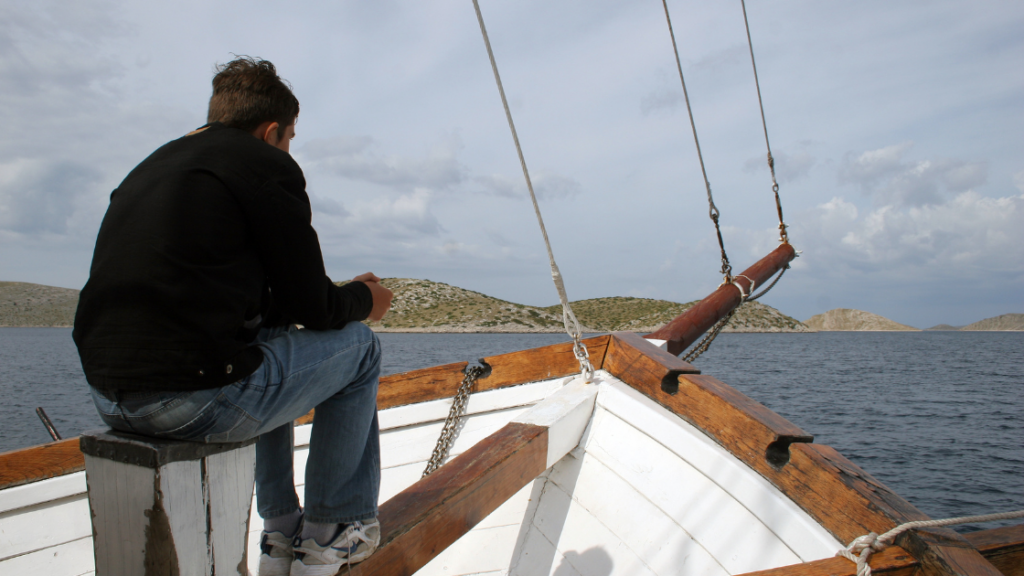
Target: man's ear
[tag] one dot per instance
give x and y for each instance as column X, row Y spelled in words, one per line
column 269, row 133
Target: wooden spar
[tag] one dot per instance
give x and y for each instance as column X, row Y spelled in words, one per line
column 686, row 328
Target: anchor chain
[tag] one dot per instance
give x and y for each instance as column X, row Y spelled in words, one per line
column 451, row 423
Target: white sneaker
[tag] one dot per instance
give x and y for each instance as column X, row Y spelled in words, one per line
column 353, row 544
column 275, row 554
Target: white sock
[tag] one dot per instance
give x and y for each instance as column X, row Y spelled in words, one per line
column 323, row 534
column 287, row 524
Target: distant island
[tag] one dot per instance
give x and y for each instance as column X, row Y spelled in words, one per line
column 849, row 320
column 846, row 319
column 426, row 306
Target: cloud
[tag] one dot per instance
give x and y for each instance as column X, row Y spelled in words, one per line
column 886, row 177
column 325, row 205
column 38, row 196
column 498, row 185
column 788, row 167
column 550, row 186
column 970, row 234
column 356, row 157
column 406, row 217
column 661, row 99
column 547, row 186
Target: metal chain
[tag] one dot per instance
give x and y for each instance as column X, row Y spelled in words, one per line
column 713, row 212
column 572, row 325
column 451, row 423
column 708, row 338
column 783, row 236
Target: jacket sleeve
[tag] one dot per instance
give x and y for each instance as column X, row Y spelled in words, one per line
column 289, row 250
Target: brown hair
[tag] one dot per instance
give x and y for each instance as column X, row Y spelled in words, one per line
column 248, row 92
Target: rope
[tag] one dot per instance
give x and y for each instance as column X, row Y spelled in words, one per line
column 770, row 286
column 783, row 236
column 713, row 212
column 860, row 550
column 572, row 325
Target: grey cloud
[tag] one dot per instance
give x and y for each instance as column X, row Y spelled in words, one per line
column 354, row 157
column 329, row 206
column 498, row 185
column 552, row 186
column 885, row 176
column 498, row 239
column 661, row 99
column 788, row 167
column 40, row 197
column 546, row 185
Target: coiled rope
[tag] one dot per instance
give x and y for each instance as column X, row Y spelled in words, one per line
column 860, row 550
column 572, row 325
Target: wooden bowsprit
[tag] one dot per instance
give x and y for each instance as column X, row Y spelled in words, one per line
column 686, row 328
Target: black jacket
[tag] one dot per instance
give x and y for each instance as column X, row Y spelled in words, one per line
column 203, row 243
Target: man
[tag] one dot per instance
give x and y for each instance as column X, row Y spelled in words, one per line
column 204, row 264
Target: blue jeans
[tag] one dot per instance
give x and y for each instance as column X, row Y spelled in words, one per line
column 333, row 371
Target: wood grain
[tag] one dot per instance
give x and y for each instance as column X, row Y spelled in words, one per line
column 542, row 363
column 1002, row 547
column 424, row 519
column 686, row 328
column 40, row 462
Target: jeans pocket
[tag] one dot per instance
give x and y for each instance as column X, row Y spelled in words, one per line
column 218, row 421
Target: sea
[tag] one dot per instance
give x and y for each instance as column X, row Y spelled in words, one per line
column 936, row 416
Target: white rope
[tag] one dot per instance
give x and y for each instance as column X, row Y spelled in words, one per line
column 572, row 325
column 860, row 550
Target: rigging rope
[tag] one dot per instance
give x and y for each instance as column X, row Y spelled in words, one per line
column 783, row 236
column 713, row 212
column 572, row 325
column 861, row 548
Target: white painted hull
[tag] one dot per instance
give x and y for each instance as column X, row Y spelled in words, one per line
column 643, row 493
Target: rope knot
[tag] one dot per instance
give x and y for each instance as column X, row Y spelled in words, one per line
column 859, row 551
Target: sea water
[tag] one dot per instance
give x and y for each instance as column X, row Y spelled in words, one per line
column 936, row 416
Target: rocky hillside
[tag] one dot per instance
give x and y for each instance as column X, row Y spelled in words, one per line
column 1004, row 322
column 646, row 315
column 845, row 319
column 24, row 304
column 425, row 306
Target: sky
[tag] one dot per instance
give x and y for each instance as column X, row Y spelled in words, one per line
column 897, row 128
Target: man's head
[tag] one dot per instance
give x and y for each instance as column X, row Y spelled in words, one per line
column 248, row 93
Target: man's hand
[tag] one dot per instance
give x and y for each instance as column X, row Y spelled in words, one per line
column 381, row 295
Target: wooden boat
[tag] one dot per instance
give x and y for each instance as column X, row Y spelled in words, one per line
column 653, row 468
